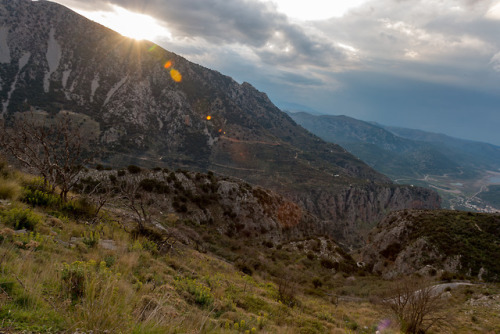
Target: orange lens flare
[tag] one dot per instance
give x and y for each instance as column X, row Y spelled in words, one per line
column 168, row 64
column 176, row 76
column 209, row 118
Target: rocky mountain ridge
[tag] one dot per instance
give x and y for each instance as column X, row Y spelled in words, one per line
column 410, row 153
column 150, row 107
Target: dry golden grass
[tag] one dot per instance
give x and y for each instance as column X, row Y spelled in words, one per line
column 138, row 290
column 9, row 189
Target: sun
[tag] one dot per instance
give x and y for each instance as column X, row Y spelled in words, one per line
column 130, row 24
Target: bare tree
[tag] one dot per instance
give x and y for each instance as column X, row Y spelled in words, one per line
column 138, row 200
column 56, row 151
column 145, row 205
column 98, row 194
column 417, row 304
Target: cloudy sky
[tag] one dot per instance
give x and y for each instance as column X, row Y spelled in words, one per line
column 425, row 64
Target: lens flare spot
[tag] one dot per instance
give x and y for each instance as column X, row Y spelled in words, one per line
column 168, row 64
column 220, row 130
column 176, row 76
column 209, row 117
column 151, row 49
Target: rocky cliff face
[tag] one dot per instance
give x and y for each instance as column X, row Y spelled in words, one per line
column 356, row 210
column 151, row 107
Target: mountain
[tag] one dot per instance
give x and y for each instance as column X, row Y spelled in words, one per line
column 150, row 107
column 429, row 242
column 459, row 169
column 385, row 151
column 472, row 153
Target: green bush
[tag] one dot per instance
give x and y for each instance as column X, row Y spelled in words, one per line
column 21, row 218
column 201, row 294
column 91, row 239
column 79, row 277
column 36, row 197
column 73, row 277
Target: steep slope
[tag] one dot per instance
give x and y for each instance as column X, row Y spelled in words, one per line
column 155, row 108
column 431, row 241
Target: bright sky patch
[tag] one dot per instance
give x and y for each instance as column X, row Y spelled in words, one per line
column 129, row 24
column 315, row 9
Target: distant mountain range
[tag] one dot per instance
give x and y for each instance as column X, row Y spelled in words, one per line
column 150, row 107
column 406, row 155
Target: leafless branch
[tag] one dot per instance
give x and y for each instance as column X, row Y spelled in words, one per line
column 55, row 151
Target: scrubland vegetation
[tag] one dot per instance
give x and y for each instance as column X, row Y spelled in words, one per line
column 68, row 267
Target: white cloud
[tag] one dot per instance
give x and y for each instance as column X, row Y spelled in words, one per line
column 495, row 62
column 315, row 9
column 494, row 12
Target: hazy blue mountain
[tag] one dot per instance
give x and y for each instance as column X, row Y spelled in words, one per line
column 460, row 169
column 385, row 151
column 470, row 153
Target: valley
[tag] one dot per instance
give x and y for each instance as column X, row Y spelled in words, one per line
column 464, row 173
column 459, row 193
column 143, row 193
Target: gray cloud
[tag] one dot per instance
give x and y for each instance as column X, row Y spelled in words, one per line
column 245, row 22
column 377, row 58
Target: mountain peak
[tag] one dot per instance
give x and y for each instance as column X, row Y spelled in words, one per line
column 150, row 107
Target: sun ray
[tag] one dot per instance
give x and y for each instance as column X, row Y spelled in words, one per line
column 130, row 24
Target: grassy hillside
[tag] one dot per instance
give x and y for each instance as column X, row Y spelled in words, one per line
column 60, row 273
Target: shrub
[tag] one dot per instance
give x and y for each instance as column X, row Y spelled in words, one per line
column 91, row 239
column 201, row 294
column 37, row 197
column 329, row 264
column 417, row 305
column 21, row 218
column 73, row 277
column 78, row 208
column 317, row 282
column 286, row 293
column 132, row 169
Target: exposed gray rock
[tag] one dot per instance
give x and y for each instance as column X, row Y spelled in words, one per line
column 121, row 93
